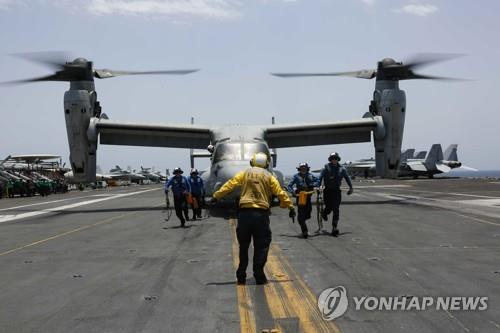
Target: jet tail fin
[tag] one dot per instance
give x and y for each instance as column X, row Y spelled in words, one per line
column 407, row 154
column 450, row 153
column 421, row 155
column 410, row 153
column 5, row 160
column 435, row 154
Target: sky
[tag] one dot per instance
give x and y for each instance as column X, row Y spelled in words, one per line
column 236, row 44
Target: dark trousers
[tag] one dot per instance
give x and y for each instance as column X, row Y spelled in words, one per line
column 253, row 224
column 333, row 198
column 197, row 211
column 304, row 213
column 180, row 205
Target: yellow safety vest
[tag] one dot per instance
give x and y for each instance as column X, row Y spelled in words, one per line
column 257, row 188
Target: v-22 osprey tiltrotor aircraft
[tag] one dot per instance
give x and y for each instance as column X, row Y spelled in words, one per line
column 231, row 147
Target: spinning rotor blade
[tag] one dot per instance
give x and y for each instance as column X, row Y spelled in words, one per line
column 426, row 59
column 412, row 76
column 54, row 77
column 389, row 69
column 362, row 74
column 107, row 73
column 79, row 69
column 405, row 71
column 54, row 59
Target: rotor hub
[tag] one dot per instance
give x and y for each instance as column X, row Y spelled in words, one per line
column 388, row 61
column 80, row 61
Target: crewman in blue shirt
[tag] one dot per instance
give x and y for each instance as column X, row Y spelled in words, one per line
column 331, row 176
column 197, row 191
column 180, row 189
column 303, row 181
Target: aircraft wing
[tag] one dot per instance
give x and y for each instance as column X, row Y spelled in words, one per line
column 416, row 166
column 360, row 166
column 152, row 135
column 34, row 158
column 298, row 135
column 442, row 167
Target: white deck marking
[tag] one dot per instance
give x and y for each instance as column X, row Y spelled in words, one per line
column 483, row 202
column 8, row 218
column 49, row 202
column 445, row 193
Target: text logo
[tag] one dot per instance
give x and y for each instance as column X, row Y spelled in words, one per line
column 333, row 302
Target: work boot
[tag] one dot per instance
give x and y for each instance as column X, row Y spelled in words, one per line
column 183, row 223
column 305, row 234
column 241, row 277
column 335, row 232
column 261, row 280
column 324, row 216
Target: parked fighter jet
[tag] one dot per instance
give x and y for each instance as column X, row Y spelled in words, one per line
column 436, row 162
column 98, row 177
column 233, row 146
column 162, row 176
column 149, row 175
column 367, row 167
column 118, row 173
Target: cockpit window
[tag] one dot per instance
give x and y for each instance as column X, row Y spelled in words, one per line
column 252, row 148
column 227, row 152
column 238, row 151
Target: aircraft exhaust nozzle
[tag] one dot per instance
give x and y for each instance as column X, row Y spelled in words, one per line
column 78, row 110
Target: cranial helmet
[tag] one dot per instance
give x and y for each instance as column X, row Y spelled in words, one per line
column 334, row 156
column 260, row 160
column 194, row 171
column 178, row 170
column 303, row 165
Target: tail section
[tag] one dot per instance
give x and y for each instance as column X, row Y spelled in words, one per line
column 435, row 155
column 410, row 153
column 407, row 154
column 451, row 153
column 421, row 155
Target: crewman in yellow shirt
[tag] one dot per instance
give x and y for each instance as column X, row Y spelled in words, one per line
column 258, row 186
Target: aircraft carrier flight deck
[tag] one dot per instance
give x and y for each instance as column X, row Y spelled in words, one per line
column 107, row 261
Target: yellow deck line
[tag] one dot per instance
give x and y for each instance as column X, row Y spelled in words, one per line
column 245, row 306
column 296, row 295
column 287, row 296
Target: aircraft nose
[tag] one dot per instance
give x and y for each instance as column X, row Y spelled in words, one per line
column 229, row 171
column 226, row 172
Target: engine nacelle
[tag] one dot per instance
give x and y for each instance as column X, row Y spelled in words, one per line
column 392, row 108
column 78, row 110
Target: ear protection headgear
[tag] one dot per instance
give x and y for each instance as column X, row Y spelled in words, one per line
column 334, row 156
column 303, row 165
column 260, row 160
